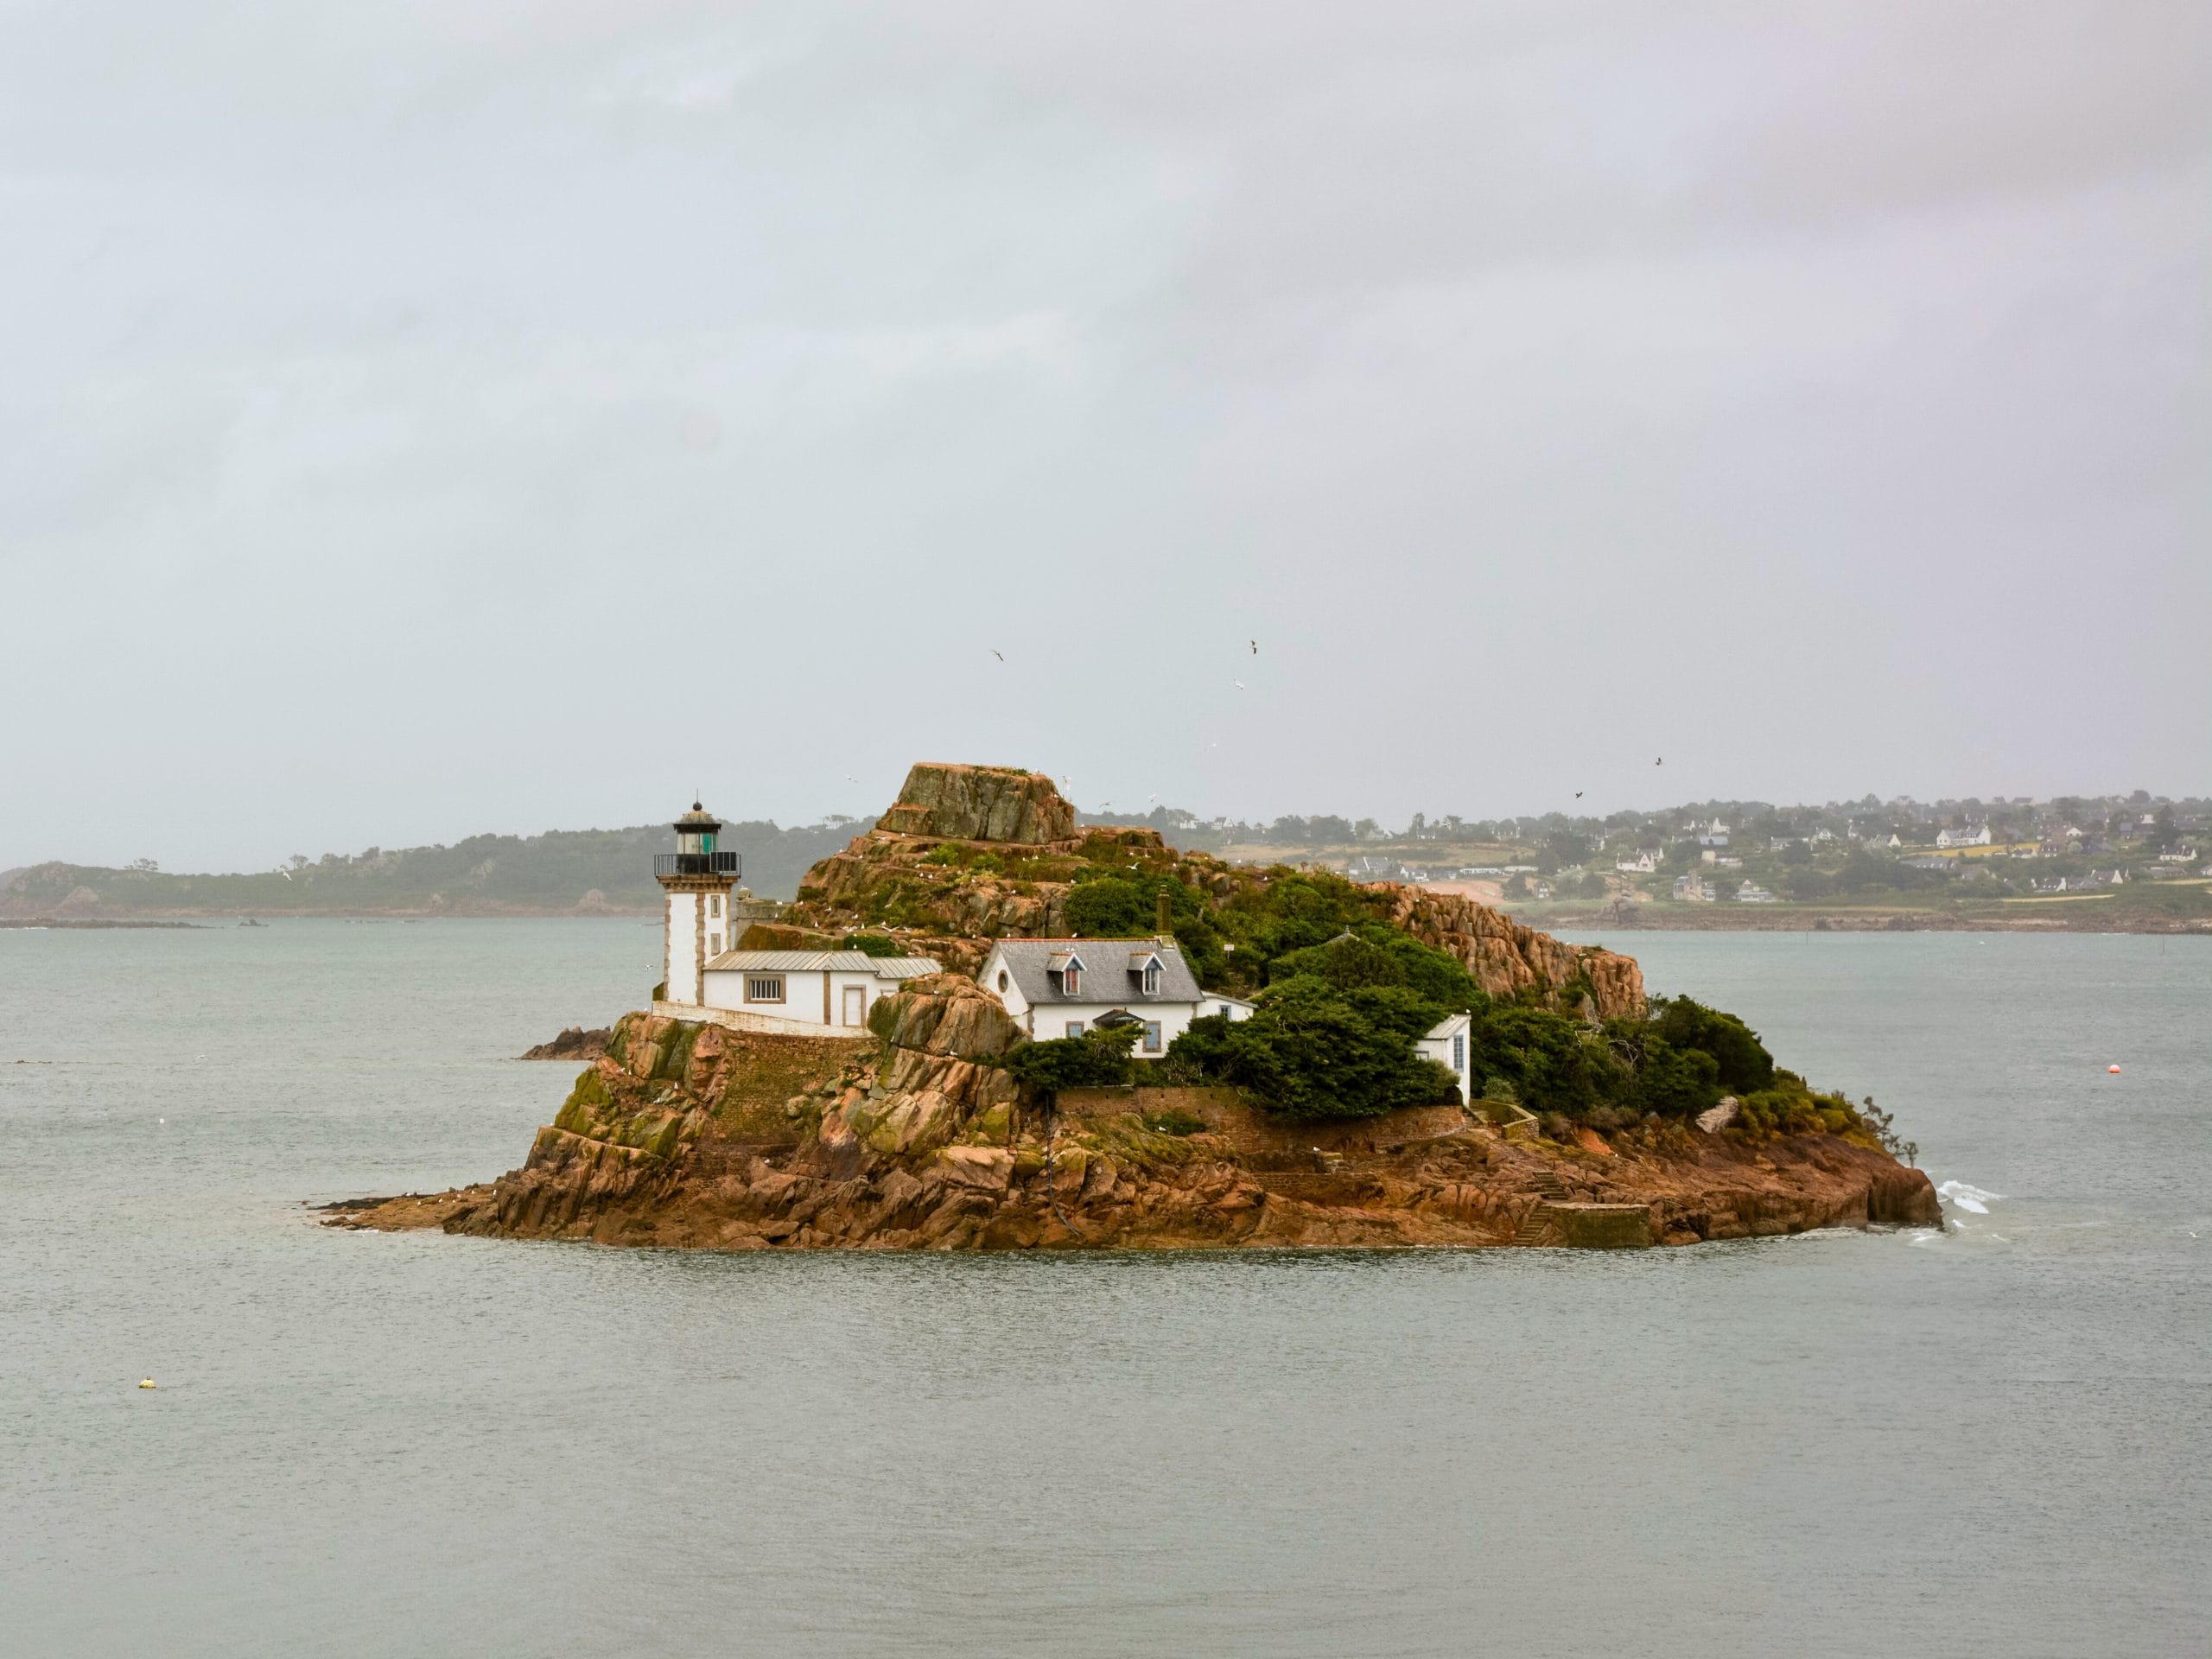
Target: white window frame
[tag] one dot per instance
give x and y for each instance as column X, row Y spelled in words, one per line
column 761, row 982
column 1151, row 977
column 1070, row 979
column 1075, row 1028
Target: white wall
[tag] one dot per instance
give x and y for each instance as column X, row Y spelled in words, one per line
column 1440, row 1050
column 802, row 1000
column 1052, row 1019
column 679, row 958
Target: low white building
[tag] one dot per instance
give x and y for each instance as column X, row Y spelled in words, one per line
column 1062, row 988
column 818, row 990
column 1974, row 835
column 1642, row 864
column 1449, row 1044
column 1222, row 1003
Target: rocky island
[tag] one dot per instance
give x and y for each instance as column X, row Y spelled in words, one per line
column 1581, row 1112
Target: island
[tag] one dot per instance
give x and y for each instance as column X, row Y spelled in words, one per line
column 983, row 1026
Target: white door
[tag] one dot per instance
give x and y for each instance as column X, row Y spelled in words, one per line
column 855, row 1005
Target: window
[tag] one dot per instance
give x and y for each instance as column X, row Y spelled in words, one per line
column 1070, row 979
column 1152, row 978
column 1003, row 979
column 1459, row 1053
column 714, row 945
column 714, row 905
column 1075, row 1028
column 764, row 987
column 1152, row 1036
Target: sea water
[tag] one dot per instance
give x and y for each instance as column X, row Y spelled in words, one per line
column 1988, row 1440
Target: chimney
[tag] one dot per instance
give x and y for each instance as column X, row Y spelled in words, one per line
column 1164, row 918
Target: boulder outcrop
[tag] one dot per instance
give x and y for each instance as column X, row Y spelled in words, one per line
column 1507, row 958
column 693, row 1135
column 965, row 803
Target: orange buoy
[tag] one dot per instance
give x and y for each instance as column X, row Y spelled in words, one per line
column 2113, row 1070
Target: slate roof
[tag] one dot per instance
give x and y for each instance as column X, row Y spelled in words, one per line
column 807, row 962
column 1107, row 974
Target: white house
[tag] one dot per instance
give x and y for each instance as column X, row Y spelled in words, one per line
column 1970, row 836
column 1750, row 892
column 1062, row 988
column 818, row 990
column 1448, row 1045
column 1642, row 864
column 1713, row 835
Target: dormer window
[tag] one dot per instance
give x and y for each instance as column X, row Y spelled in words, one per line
column 1064, row 969
column 1151, row 977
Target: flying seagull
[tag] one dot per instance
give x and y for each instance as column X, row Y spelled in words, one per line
column 1239, row 684
column 998, row 653
column 1577, row 794
column 1256, row 647
column 1661, row 761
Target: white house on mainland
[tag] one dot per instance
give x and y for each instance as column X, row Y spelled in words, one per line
column 1642, row 864
column 1448, row 1044
column 1062, row 988
column 1973, row 836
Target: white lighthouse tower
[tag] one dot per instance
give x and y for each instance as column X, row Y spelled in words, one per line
column 697, row 880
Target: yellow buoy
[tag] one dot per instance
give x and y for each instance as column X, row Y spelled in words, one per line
column 145, row 1382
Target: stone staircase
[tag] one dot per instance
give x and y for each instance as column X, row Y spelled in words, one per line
column 1549, row 1187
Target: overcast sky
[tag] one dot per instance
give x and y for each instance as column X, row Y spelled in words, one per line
column 423, row 419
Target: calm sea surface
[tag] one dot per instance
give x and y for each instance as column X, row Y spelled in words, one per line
column 1993, row 1441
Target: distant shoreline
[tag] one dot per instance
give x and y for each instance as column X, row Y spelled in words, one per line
column 1812, row 919
column 40, row 923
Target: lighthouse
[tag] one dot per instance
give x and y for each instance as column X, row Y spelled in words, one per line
column 696, row 878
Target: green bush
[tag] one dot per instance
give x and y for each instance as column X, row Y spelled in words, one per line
column 873, row 944
column 1745, row 1066
column 1100, row 1058
column 1375, row 955
column 1311, row 1050
column 1173, row 1123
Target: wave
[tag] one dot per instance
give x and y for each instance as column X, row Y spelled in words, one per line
column 1972, row 1199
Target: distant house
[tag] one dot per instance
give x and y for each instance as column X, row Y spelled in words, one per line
column 1642, row 864
column 1820, row 836
column 2186, row 856
column 1929, row 862
column 1062, row 988
column 1751, row 893
column 1713, row 835
column 1972, row 836
column 1691, row 889
column 1447, row 1044
column 1893, row 841
column 1780, row 843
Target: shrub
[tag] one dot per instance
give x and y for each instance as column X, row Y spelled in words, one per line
column 1098, row 1059
column 1314, row 1051
column 1175, row 1122
column 1745, row 1065
column 873, row 944
column 1375, row 955
column 1555, row 1064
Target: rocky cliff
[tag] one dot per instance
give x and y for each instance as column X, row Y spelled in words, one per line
column 970, row 854
column 916, row 1137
